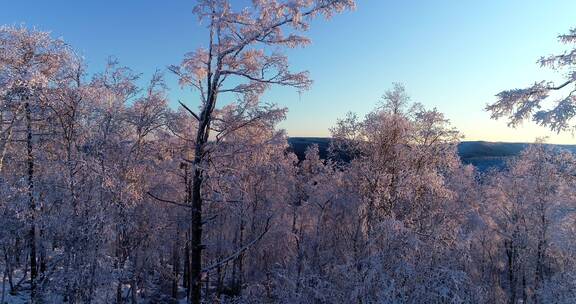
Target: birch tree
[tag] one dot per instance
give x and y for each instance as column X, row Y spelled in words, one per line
column 31, row 62
column 236, row 61
column 526, row 206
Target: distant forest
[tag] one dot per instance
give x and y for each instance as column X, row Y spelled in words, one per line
column 483, row 155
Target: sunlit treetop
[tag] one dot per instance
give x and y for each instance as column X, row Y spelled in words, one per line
column 238, row 41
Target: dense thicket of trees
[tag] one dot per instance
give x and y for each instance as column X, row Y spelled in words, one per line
column 108, row 195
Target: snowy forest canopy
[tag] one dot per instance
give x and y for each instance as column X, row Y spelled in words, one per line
column 109, row 195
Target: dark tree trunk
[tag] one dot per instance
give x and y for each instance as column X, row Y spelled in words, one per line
column 510, row 253
column 4, row 278
column 524, row 288
column 134, row 289
column 32, row 203
column 196, row 237
column 175, row 270
column 541, row 254
column 186, row 275
column 218, row 282
column 119, row 266
column 207, row 286
column 119, row 298
column 42, row 249
column 188, row 192
column 238, row 266
column 202, row 136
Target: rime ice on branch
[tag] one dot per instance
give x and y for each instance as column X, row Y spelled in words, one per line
column 521, row 104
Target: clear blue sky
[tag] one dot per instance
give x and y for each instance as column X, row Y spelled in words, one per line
column 453, row 55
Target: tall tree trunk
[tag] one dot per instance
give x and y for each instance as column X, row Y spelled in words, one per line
column 134, row 291
column 186, row 275
column 119, row 297
column 188, row 192
column 202, row 136
column 196, row 237
column 510, row 253
column 42, row 250
column 119, row 266
column 541, row 253
column 4, row 278
column 297, row 247
column 524, row 288
column 207, row 286
column 240, row 278
column 218, row 282
column 32, row 203
column 8, row 268
column 175, row 269
column 91, row 288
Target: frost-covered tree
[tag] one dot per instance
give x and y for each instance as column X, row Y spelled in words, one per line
column 403, row 171
column 31, row 64
column 109, row 195
column 400, row 154
column 531, row 102
column 527, row 206
column 235, row 60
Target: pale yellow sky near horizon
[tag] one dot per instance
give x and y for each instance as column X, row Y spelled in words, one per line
column 489, row 130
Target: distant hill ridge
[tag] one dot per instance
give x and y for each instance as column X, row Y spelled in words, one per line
column 481, row 154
